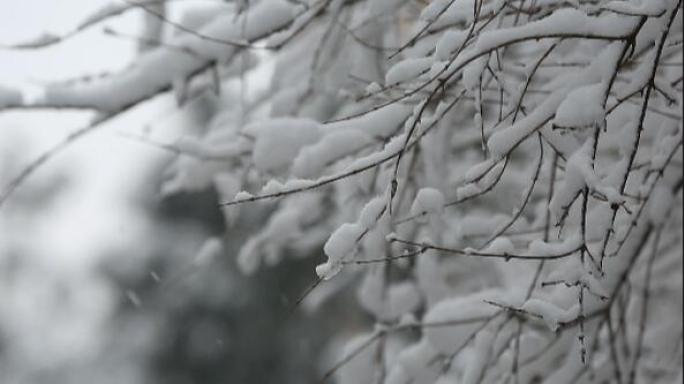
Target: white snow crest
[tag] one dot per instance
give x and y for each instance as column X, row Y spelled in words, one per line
column 552, row 314
column 339, row 246
column 428, row 202
column 408, row 70
column 582, row 108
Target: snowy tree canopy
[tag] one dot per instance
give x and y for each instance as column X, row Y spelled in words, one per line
column 499, row 181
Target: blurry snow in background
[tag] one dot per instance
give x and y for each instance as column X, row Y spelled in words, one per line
column 97, row 278
column 52, row 305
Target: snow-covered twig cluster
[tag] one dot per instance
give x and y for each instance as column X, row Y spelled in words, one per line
column 502, row 178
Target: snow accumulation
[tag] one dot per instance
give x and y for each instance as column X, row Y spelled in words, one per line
column 539, row 247
column 445, row 12
column 565, row 21
column 243, row 195
column 399, row 299
column 373, row 88
column 313, row 159
column 503, row 141
column 552, row 314
column 280, row 231
column 582, row 108
column 477, row 361
column 343, row 242
column 381, row 123
column 480, row 178
column 278, row 141
column 274, row 186
column 473, row 71
column 449, row 43
column 407, row 70
column 458, row 309
column 501, row 245
column 372, row 212
column 157, row 70
column 478, row 170
column 428, row 202
column 650, row 7
column 578, row 174
column 339, row 246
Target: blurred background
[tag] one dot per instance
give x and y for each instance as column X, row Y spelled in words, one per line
column 99, row 274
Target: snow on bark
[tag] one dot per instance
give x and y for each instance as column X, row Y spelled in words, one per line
column 158, row 69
